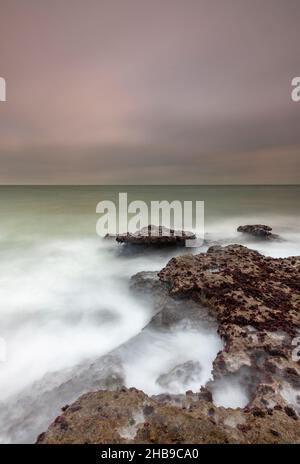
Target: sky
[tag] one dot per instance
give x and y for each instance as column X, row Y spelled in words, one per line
column 149, row 92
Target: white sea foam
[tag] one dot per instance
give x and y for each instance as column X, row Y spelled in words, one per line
column 158, row 353
column 230, row 394
column 61, row 303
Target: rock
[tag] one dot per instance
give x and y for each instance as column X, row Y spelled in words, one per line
column 148, row 284
column 182, row 373
column 205, row 394
column 169, row 311
column 130, row 416
column 256, row 301
column 242, row 287
column 107, row 418
column 156, row 236
column 258, row 230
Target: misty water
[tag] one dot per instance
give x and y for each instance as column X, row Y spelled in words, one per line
column 65, row 300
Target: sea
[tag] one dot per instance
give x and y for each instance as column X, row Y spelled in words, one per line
column 65, row 299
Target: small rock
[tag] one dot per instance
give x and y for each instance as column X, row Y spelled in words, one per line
column 258, row 230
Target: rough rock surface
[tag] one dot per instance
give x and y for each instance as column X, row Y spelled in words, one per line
column 256, row 302
column 168, row 310
column 130, row 416
column 258, row 230
column 242, row 286
column 156, row 236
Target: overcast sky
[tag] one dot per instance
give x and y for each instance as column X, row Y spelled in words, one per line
column 149, row 91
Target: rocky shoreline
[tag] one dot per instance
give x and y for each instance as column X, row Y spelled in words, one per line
column 254, row 302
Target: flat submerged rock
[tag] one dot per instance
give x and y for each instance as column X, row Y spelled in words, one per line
column 156, row 236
